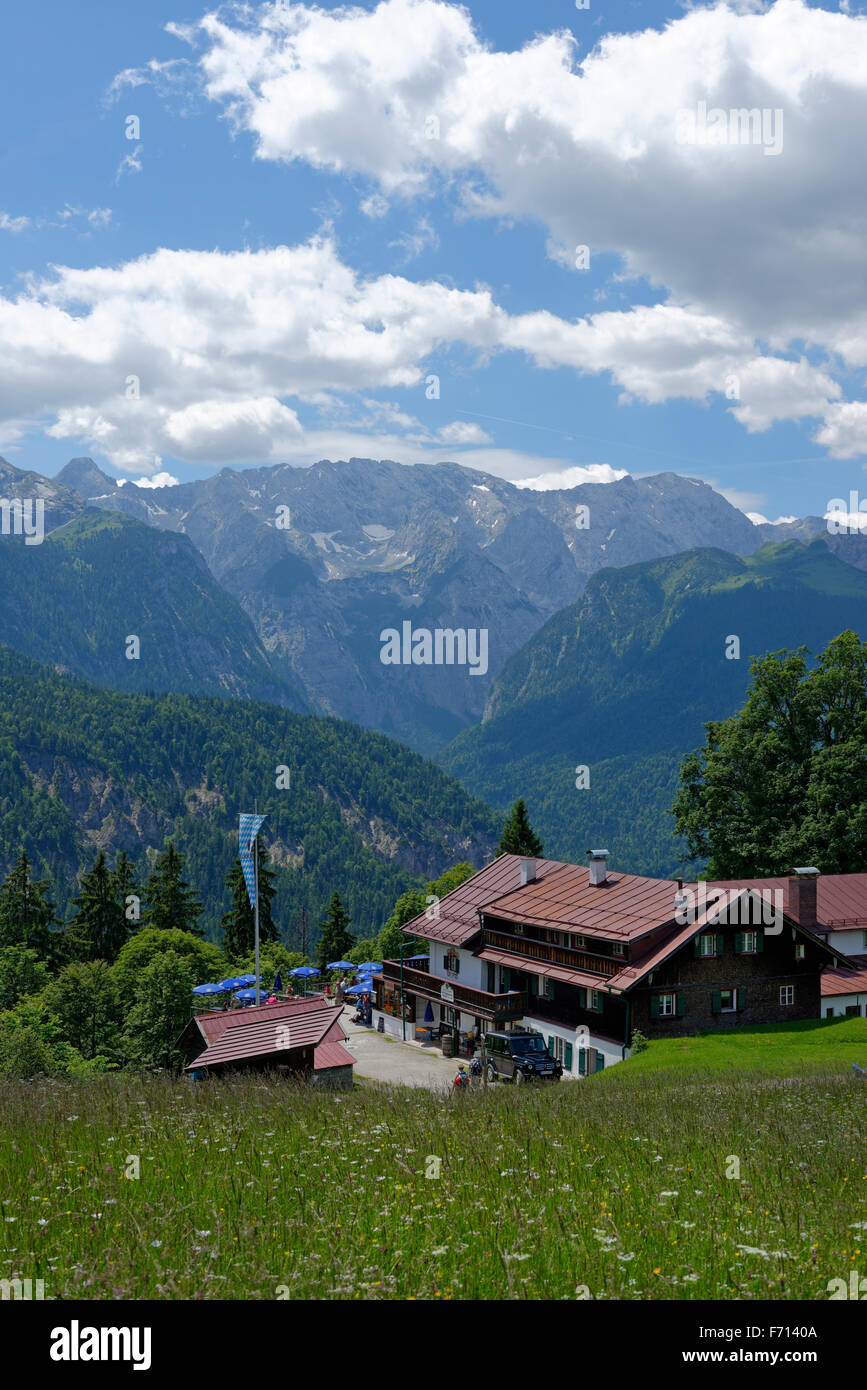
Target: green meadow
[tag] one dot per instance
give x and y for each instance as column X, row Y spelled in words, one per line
column 723, row 1167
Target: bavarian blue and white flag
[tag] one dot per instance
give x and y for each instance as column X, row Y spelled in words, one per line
column 248, row 829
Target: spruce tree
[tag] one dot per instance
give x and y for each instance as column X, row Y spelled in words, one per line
column 238, row 924
column 170, row 902
column 127, row 892
column 99, row 927
column 27, row 912
column 518, row 835
column 336, row 938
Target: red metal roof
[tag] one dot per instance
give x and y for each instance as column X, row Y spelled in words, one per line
column 841, row 899
column 562, row 896
column 837, row 980
column 535, row 967
column 458, row 910
column 331, row 1054
column 260, row 1032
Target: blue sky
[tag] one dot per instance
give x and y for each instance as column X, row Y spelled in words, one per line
column 412, row 250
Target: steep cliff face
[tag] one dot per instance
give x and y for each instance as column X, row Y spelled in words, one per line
column 83, row 768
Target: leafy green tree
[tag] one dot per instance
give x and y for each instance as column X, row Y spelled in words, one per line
column 171, row 905
column 784, row 781
column 205, row 961
column 238, row 924
column 99, row 927
column 518, row 836
column 31, row 1042
column 21, row 973
column 84, row 998
column 415, row 903
column 273, row 956
column 27, row 912
column 160, row 1012
column 336, row 938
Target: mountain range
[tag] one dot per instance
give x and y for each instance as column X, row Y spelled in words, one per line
column 622, row 682
column 322, row 560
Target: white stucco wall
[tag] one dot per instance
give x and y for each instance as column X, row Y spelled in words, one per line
column 851, row 943
column 838, row 1004
column 610, row 1050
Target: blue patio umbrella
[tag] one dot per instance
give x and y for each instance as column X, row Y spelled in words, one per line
column 409, row 958
column 357, row 989
column 340, row 965
column 278, row 982
column 367, row 965
column 304, row 972
column 235, row 981
column 246, row 980
column 248, row 994
column 428, row 1013
column 207, row 989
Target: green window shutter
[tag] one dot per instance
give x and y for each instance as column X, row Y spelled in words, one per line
column 742, row 999
column 760, row 940
column 582, row 1060
column 720, row 944
column 696, row 946
column 567, row 1064
column 739, row 943
column 678, row 1005
column 507, row 978
column 582, row 997
column 654, row 1006
column 551, row 1046
column 716, row 1002
column 600, row 1061
column 549, row 988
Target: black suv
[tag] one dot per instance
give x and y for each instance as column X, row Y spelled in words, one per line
column 520, row 1057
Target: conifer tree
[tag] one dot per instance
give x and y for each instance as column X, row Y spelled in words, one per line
column 336, row 938
column 238, row 924
column 170, row 902
column 27, row 913
column 127, row 893
column 518, row 835
column 99, row 927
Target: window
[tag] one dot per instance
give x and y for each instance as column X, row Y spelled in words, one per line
column 800, row 951
column 618, row 949
column 787, row 994
column 492, row 982
column 451, row 963
column 853, row 1010
column 706, row 945
column 727, row 1001
column 748, row 943
column 594, row 1000
column 667, row 1007
column 580, row 943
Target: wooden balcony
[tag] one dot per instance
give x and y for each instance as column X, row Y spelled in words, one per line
column 478, row 1002
column 543, row 951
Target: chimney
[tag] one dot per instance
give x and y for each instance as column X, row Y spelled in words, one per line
column 598, row 865
column 801, row 896
column 528, row 871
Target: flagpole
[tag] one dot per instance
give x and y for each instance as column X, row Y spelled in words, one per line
column 256, row 901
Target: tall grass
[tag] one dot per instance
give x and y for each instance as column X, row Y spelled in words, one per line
column 249, row 1188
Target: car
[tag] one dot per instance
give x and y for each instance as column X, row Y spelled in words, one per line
column 520, row 1056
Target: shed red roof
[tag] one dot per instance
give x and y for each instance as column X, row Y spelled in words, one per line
column 841, row 899
column 270, row 1029
column 331, row 1054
